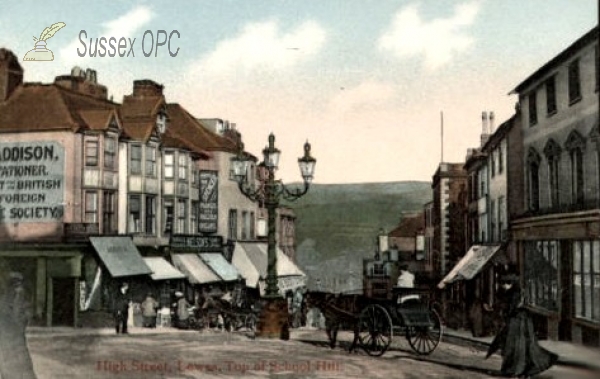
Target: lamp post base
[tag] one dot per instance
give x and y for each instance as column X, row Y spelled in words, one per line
column 273, row 319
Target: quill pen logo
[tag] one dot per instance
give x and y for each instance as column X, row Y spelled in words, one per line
column 40, row 52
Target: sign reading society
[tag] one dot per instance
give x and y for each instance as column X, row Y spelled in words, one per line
column 31, row 181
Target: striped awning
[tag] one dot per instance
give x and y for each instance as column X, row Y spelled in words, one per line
column 196, row 271
column 219, row 265
column 163, row 270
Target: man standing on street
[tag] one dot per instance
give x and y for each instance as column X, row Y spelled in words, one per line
column 121, row 308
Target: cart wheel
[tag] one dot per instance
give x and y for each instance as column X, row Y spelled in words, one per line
column 374, row 330
column 250, row 322
column 425, row 339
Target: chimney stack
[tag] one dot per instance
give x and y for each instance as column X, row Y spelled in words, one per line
column 147, row 87
column 492, row 126
column 83, row 81
column 485, row 134
column 11, row 73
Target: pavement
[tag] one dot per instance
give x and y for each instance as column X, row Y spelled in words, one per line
column 569, row 354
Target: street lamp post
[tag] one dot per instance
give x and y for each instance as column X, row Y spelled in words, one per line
column 274, row 315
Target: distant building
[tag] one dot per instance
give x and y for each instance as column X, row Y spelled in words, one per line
column 449, row 210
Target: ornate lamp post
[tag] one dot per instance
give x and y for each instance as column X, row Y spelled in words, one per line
column 274, row 314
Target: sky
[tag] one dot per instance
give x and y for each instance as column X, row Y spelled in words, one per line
column 366, row 82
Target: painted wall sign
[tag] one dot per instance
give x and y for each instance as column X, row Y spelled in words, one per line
column 31, row 181
column 209, row 202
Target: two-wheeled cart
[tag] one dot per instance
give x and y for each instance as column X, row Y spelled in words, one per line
column 376, row 321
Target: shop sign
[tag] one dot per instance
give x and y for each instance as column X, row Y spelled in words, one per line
column 31, row 182
column 197, row 243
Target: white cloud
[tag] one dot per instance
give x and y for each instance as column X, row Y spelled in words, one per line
column 126, row 25
column 367, row 95
column 264, row 46
column 438, row 40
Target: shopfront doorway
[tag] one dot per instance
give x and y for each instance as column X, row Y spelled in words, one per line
column 63, row 295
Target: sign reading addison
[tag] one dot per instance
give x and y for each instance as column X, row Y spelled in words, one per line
column 31, row 181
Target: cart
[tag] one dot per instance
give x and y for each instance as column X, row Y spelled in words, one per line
column 376, row 321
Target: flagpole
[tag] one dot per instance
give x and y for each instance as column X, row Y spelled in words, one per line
column 442, row 134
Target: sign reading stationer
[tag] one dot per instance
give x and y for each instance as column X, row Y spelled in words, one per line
column 31, row 181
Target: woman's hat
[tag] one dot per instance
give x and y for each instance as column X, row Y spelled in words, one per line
column 179, row 294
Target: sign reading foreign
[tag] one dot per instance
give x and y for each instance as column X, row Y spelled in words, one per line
column 31, row 181
column 209, row 202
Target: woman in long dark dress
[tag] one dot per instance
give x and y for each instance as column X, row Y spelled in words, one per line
column 522, row 356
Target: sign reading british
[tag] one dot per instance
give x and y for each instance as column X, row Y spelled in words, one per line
column 31, row 181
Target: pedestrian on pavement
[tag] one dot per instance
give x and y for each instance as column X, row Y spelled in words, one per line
column 121, row 308
column 149, row 306
column 522, row 356
column 15, row 361
column 183, row 313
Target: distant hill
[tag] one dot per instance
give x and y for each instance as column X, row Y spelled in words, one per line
column 338, row 221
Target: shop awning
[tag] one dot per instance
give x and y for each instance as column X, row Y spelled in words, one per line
column 470, row 264
column 196, row 271
column 162, row 270
column 250, row 259
column 219, row 265
column 120, row 256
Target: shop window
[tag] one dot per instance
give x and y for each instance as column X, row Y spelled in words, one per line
column 136, row 160
column 91, row 207
column 91, row 153
column 541, row 273
column 134, row 214
column 586, row 279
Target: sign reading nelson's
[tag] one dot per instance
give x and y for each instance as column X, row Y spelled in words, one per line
column 31, row 181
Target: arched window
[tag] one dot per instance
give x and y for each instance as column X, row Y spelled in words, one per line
column 552, row 152
column 576, row 145
column 533, row 170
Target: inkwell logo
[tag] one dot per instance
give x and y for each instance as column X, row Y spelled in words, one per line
column 40, row 52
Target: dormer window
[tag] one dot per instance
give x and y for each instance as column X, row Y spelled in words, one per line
column 161, row 122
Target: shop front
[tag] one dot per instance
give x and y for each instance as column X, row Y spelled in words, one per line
column 560, row 265
column 50, row 279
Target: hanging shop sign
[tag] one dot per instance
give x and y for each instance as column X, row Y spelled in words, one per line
column 209, row 202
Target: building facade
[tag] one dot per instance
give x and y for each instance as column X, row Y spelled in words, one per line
column 558, row 233
column 90, row 187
